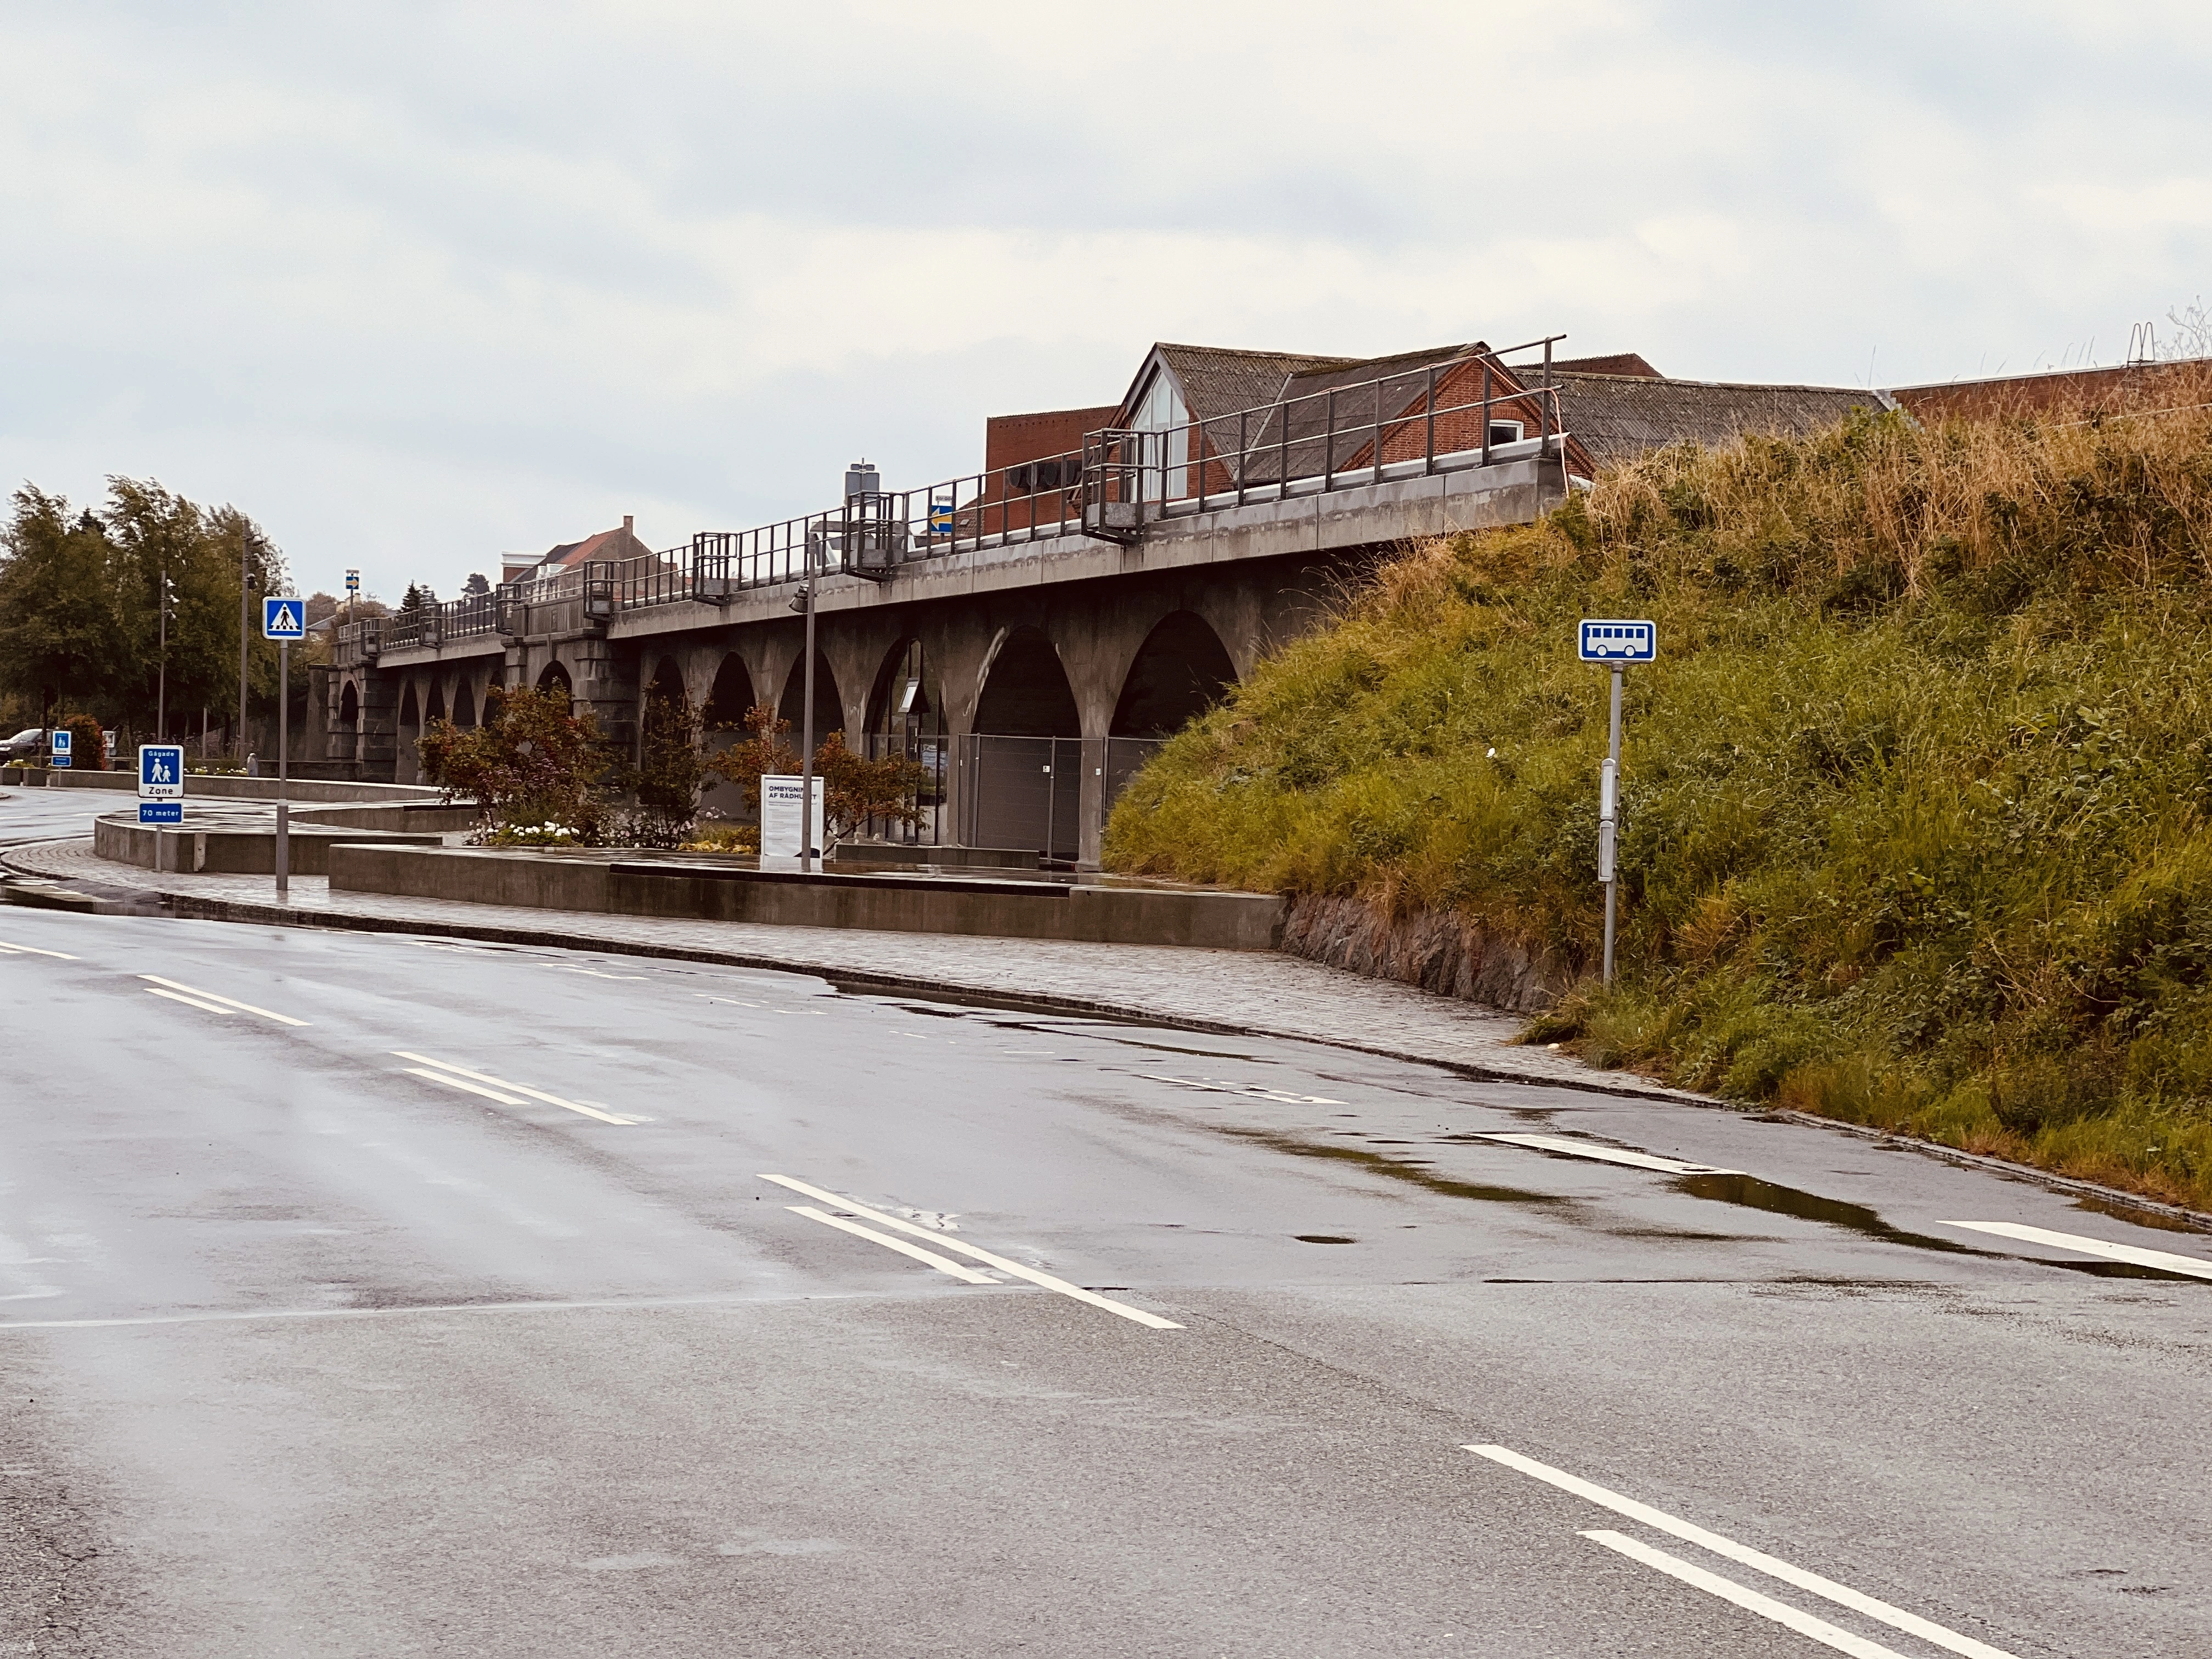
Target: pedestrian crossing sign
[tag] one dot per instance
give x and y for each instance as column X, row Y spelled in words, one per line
column 283, row 619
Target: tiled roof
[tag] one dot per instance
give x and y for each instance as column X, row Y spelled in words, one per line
column 1619, row 417
column 1218, row 381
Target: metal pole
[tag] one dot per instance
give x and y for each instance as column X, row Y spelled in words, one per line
column 283, row 767
column 245, row 626
column 161, row 693
column 1611, row 822
column 806, row 731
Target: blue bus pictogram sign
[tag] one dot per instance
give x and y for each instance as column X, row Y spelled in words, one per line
column 1615, row 639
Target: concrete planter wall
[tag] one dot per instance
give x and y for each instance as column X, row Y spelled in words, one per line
column 1003, row 908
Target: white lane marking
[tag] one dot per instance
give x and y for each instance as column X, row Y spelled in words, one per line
column 596, row 974
column 2196, row 1267
column 1728, row 1590
column 211, row 1007
column 516, row 1088
column 462, row 1083
column 943, row 1264
column 218, row 996
column 735, row 1002
column 1215, row 1085
column 1841, row 1594
column 1591, row 1149
column 34, row 951
column 973, row 1253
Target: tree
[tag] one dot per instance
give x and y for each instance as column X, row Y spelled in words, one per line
column 854, row 789
column 57, row 613
column 669, row 773
column 532, row 764
column 475, row 587
column 764, row 751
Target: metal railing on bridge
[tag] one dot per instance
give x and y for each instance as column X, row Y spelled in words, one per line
column 1462, row 412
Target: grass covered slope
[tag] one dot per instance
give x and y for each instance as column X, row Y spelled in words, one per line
column 1914, row 803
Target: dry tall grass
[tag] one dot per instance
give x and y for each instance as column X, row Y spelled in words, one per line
column 1914, row 801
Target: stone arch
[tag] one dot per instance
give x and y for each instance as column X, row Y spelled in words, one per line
column 349, row 706
column 435, row 709
column 465, row 703
column 668, row 682
column 1026, row 692
column 410, row 714
column 1180, row 672
column 554, row 676
column 905, row 699
column 829, row 706
column 731, row 694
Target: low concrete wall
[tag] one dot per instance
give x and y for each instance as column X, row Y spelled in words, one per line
column 224, row 850
column 227, row 785
column 1004, row 908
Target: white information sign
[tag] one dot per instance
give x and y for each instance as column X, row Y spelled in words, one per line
column 780, row 816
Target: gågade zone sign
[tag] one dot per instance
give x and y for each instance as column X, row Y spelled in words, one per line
column 1612, row 639
column 160, row 783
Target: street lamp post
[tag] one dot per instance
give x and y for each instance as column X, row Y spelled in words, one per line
column 162, row 692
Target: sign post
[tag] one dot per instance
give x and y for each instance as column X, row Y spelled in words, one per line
column 59, row 751
column 160, row 783
column 1615, row 643
column 283, row 620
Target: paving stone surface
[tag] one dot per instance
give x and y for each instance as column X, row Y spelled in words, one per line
column 1238, row 990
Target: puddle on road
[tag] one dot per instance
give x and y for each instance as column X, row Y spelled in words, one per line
column 1323, row 1238
column 1752, row 1193
column 1398, row 1169
column 2139, row 1218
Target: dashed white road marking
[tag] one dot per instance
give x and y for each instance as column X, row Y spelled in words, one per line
column 943, row 1264
column 209, row 1007
column 1728, row 1590
column 512, row 1088
column 1216, row 1085
column 1841, row 1594
column 1019, row 1270
column 735, row 1002
column 2195, row 1267
column 1604, row 1154
column 230, row 1005
column 596, row 974
column 34, row 951
column 462, row 1083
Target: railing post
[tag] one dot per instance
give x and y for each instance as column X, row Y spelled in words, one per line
column 1198, row 430
column 1242, row 455
column 1486, row 411
column 1375, row 471
column 1429, row 450
column 1329, row 446
column 1283, row 471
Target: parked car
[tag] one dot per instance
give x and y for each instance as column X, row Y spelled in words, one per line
column 24, row 745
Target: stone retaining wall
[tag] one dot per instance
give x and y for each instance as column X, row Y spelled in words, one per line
column 1438, row 953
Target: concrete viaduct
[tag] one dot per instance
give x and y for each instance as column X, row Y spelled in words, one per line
column 1007, row 655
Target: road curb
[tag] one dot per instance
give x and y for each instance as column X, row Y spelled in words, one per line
column 864, row 981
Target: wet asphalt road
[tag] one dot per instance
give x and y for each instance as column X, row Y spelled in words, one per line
column 440, row 1307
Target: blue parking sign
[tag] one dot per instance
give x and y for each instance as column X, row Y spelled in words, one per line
column 58, row 753
column 283, row 619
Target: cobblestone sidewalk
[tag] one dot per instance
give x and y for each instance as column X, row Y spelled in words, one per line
column 1245, row 991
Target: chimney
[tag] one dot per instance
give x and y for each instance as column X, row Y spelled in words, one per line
column 629, row 527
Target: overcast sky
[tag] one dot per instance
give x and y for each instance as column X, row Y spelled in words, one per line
column 418, row 284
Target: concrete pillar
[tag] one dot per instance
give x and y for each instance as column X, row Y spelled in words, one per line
column 379, row 725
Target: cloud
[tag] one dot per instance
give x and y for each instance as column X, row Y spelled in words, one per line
column 419, row 284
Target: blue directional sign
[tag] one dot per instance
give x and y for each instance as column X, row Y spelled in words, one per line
column 1611, row 639
column 161, row 811
column 59, row 754
column 160, row 771
column 283, row 619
